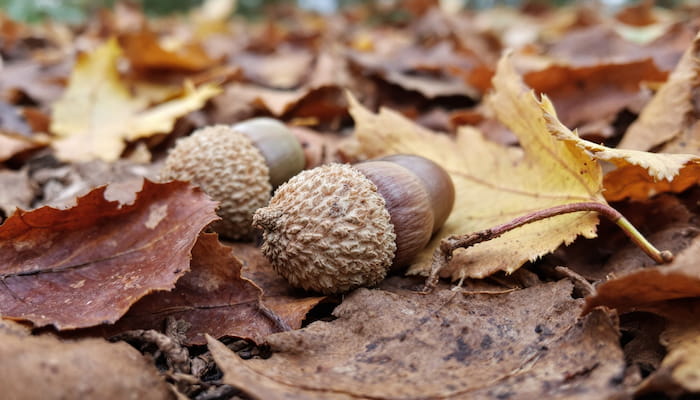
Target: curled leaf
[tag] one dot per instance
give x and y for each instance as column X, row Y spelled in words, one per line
column 88, row 264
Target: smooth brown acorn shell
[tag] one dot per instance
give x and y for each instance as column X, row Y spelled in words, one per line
column 282, row 151
column 436, row 181
column 408, row 204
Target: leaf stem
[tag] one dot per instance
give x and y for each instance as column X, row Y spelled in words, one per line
column 448, row 245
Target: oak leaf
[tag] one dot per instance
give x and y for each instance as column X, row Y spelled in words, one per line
column 97, row 113
column 88, row 264
column 494, row 183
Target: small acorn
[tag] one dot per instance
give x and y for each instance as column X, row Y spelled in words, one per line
column 338, row 227
column 238, row 166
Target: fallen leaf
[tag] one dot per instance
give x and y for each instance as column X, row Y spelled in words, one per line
column 42, row 84
column 329, row 74
column 21, row 195
column 603, row 44
column 668, row 123
column 146, row 51
column 678, row 372
column 12, row 145
column 643, row 350
column 44, row 367
column 399, row 344
column 62, row 184
column 664, row 220
column 640, row 174
column 88, row 264
column 286, row 68
column 493, row 183
column 291, row 305
column 645, row 287
column 433, row 71
column 640, row 14
column 594, row 93
column 212, row 298
column 96, row 114
column 634, row 182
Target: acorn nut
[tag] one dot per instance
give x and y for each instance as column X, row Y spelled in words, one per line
column 338, row 227
column 238, row 166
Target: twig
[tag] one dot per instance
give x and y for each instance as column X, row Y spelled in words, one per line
column 443, row 254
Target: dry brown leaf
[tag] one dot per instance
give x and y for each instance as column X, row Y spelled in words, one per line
column 594, row 94
column 678, row 372
column 433, row 71
column 668, row 122
column 647, row 286
column 24, row 79
column 11, row 145
column 289, row 304
column 284, row 69
column 97, row 113
column 399, row 344
column 212, row 298
column 329, row 74
column 87, row 265
column 21, row 195
column 493, row 183
column 62, row 184
column 43, row 367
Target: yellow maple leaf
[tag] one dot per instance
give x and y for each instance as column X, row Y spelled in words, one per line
column 493, row 183
column 97, row 113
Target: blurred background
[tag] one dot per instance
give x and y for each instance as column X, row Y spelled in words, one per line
column 75, row 11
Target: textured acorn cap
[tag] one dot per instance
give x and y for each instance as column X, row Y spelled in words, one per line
column 328, row 230
column 227, row 166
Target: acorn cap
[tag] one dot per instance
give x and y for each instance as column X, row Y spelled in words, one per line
column 229, row 168
column 282, row 151
column 328, row 230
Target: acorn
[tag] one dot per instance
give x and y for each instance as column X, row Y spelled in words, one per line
column 338, row 227
column 238, row 166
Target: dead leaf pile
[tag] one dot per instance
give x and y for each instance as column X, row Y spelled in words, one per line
column 111, row 285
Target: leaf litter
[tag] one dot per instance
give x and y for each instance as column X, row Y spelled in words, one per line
column 531, row 316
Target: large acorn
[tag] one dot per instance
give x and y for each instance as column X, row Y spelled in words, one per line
column 238, row 166
column 337, row 227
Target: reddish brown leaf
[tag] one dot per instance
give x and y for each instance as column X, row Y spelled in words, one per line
column 289, row 304
column 647, row 286
column 88, row 264
column 212, row 298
